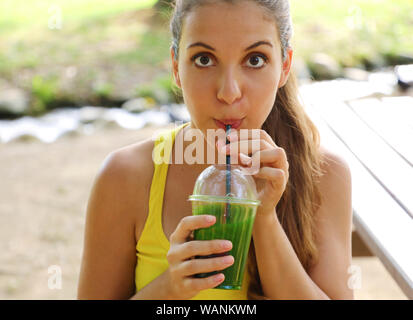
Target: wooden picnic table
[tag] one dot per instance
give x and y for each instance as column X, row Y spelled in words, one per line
column 375, row 137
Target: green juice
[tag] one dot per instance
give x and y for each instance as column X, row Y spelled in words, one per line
column 235, row 226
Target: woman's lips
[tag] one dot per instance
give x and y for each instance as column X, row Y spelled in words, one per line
column 235, row 123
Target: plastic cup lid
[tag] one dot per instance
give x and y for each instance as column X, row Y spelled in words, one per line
column 226, row 199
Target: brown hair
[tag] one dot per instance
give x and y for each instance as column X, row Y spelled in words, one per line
column 290, row 128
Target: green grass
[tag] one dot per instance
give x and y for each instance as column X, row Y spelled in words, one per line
column 25, row 14
column 44, row 92
column 155, row 46
column 26, row 39
column 353, row 30
column 98, row 36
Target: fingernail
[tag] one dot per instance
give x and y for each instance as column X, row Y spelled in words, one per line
column 210, row 218
column 219, row 277
column 227, row 245
column 228, row 259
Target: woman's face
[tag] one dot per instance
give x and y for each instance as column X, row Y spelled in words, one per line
column 230, row 77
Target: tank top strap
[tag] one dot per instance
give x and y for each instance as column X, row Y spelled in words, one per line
column 161, row 155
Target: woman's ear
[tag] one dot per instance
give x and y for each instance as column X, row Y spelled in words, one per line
column 286, row 66
column 175, row 67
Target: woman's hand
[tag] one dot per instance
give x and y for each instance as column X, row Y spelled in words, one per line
column 180, row 283
column 267, row 161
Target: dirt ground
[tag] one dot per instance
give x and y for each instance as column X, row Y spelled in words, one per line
column 44, row 190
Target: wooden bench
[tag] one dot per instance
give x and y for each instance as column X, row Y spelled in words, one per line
column 375, row 137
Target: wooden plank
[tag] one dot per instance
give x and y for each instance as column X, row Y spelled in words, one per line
column 401, row 105
column 387, row 167
column 380, row 221
column 390, row 125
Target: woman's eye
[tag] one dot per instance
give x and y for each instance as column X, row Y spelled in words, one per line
column 203, row 60
column 257, row 61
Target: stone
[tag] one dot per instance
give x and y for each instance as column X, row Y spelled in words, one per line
column 13, row 102
column 89, row 114
column 324, row 67
column 356, row 74
column 137, row 105
column 404, row 74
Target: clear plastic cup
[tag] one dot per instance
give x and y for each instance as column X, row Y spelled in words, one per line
column 234, row 212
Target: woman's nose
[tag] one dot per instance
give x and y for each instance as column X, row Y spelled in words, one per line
column 229, row 89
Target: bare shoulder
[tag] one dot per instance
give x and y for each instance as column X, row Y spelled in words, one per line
column 335, row 188
column 336, row 170
column 124, row 179
column 333, row 228
column 333, row 161
column 113, row 215
column 125, row 163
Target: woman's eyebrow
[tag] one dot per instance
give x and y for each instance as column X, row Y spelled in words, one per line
column 256, row 44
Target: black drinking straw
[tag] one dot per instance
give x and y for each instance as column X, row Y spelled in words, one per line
column 228, row 172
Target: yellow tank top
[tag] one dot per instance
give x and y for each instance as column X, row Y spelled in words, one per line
column 153, row 245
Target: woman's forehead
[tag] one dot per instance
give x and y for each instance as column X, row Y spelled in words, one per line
column 220, row 23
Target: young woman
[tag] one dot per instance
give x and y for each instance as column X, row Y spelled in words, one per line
column 232, row 61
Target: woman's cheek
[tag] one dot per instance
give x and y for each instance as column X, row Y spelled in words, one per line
column 195, row 84
column 263, row 94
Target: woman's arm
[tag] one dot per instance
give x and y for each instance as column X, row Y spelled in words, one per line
column 334, row 228
column 155, row 290
column 282, row 275
column 109, row 254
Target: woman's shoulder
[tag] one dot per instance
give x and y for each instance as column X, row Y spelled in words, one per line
column 130, row 160
column 125, row 176
column 115, row 212
column 333, row 164
column 335, row 183
column 333, row 226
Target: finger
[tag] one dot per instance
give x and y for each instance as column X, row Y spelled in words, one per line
column 250, row 134
column 276, row 158
column 277, row 177
column 204, row 248
column 195, row 266
column 247, row 147
column 196, row 284
column 188, row 224
column 245, row 160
